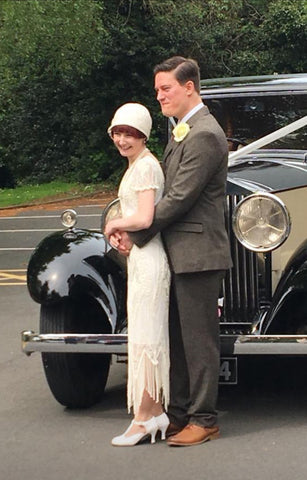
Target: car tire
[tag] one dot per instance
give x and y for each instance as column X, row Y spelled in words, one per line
column 76, row 380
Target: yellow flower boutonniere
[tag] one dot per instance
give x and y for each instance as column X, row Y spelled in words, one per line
column 180, row 131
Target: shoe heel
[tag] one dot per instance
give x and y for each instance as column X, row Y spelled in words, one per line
column 162, row 422
column 163, row 433
column 153, row 436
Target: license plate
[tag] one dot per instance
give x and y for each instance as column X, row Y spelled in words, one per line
column 228, row 371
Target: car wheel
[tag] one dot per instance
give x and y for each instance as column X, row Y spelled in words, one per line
column 76, row 380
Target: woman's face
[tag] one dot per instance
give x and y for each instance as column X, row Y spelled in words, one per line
column 128, row 145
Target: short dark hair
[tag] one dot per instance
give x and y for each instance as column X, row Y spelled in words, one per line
column 184, row 69
column 134, row 132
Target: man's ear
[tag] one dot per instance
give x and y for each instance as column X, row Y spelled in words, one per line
column 190, row 87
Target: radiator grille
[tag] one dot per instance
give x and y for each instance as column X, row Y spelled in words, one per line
column 244, row 284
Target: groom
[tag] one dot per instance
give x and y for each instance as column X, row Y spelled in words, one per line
column 190, row 217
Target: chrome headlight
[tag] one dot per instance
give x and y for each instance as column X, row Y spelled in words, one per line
column 261, row 222
column 111, row 211
column 69, row 218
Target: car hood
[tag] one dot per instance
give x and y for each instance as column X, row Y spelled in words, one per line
column 267, row 172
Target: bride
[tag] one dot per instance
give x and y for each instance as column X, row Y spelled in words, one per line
column 140, row 190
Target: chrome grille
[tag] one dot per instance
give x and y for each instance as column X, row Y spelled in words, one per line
column 241, row 287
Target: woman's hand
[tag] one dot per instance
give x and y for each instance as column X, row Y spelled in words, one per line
column 110, row 228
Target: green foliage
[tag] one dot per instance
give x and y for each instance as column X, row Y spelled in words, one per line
column 66, row 65
column 272, row 37
column 52, row 191
column 96, row 167
column 47, row 49
column 28, row 194
column 285, row 30
column 50, row 37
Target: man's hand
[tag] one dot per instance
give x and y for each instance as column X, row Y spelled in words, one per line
column 122, row 242
column 125, row 244
column 114, row 239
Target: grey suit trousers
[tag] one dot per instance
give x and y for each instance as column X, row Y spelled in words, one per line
column 194, row 347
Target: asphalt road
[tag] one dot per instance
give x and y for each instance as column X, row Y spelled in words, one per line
column 263, row 420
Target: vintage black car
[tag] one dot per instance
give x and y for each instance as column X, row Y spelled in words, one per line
column 80, row 281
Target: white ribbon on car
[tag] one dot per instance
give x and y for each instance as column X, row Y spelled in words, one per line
column 271, row 137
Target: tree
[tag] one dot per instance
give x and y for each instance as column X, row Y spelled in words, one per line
column 285, row 32
column 271, row 38
column 47, row 49
column 66, row 65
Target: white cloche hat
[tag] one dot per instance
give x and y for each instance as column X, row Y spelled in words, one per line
column 134, row 115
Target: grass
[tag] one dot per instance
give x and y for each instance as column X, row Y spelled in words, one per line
column 31, row 194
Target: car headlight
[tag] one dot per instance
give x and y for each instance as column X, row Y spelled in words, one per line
column 69, row 218
column 261, row 222
column 111, row 211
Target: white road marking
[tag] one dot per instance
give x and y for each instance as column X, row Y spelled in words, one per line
column 33, row 230
column 48, row 216
column 8, row 249
column 27, row 217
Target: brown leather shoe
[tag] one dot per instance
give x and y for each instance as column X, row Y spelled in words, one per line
column 173, row 429
column 193, row 435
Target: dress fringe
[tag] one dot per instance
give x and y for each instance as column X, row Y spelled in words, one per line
column 147, row 371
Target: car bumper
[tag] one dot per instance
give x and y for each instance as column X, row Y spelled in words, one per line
column 117, row 344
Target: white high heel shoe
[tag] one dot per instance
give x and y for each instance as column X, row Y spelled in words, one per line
column 162, row 422
column 150, row 426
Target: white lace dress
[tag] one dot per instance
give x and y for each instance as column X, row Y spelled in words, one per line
column 148, row 293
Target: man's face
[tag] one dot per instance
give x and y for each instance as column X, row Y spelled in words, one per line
column 173, row 97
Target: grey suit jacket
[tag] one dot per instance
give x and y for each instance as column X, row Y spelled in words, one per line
column 190, row 215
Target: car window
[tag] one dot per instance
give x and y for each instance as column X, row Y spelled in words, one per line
column 248, row 118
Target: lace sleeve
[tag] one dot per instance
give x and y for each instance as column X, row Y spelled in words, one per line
column 148, row 175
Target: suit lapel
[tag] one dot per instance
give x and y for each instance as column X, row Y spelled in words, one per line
column 172, row 145
column 168, row 149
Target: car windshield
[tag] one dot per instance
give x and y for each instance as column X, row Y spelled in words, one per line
column 248, row 118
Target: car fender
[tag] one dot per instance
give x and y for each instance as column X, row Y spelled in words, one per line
column 76, row 263
column 288, row 312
